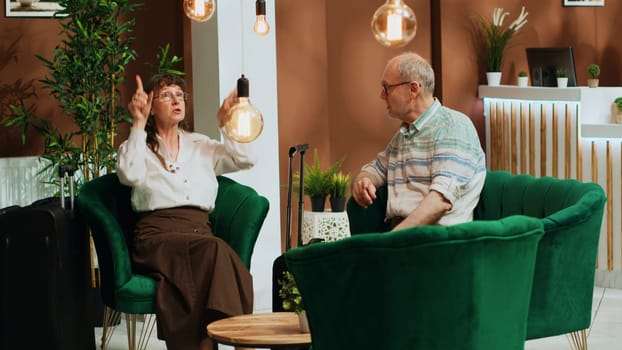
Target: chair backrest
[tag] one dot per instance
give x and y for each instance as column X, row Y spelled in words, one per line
column 465, row 286
column 370, row 219
column 572, row 214
column 238, row 216
column 106, row 204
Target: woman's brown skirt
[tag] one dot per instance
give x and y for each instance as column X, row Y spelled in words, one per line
column 199, row 277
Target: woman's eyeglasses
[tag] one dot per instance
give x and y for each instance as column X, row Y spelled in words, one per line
column 167, row 96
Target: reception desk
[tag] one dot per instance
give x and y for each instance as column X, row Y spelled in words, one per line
column 564, row 133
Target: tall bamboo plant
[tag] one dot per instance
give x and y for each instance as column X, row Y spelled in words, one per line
column 85, row 73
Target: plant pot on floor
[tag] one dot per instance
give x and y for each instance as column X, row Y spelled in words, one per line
column 337, row 204
column 317, row 203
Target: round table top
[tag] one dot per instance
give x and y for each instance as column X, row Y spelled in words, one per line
column 275, row 329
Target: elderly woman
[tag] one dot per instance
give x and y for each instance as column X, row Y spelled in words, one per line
column 173, row 178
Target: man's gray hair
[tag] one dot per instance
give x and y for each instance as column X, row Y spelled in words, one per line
column 411, row 66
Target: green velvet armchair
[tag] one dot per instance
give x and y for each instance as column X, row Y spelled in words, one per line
column 462, row 287
column 105, row 203
column 571, row 212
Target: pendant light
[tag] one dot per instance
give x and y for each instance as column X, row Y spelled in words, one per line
column 199, row 10
column 245, row 121
column 394, row 24
column 261, row 26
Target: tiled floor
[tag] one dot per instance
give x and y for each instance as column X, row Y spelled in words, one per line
column 605, row 332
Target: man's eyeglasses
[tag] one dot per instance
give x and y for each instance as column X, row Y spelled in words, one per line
column 386, row 87
column 167, row 96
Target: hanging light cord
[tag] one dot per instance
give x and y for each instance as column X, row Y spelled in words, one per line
column 242, row 33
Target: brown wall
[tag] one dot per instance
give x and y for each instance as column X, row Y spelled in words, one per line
column 329, row 65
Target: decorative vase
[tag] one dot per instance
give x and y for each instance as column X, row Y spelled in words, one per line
column 317, row 203
column 523, row 81
column 304, row 323
column 616, row 114
column 494, row 78
column 337, row 204
column 562, row 82
column 592, row 83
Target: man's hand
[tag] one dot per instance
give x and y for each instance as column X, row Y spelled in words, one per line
column 140, row 105
column 363, row 191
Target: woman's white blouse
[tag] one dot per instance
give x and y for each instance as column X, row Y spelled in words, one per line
column 158, row 181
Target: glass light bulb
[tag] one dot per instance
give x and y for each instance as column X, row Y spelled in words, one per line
column 261, row 26
column 199, row 10
column 244, row 121
column 394, row 24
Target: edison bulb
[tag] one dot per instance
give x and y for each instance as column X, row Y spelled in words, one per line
column 245, row 121
column 394, row 24
column 261, row 26
column 199, row 10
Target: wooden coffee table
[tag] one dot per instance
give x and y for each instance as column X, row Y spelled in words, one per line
column 263, row 330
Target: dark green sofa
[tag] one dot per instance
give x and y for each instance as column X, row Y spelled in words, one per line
column 462, row 287
column 571, row 212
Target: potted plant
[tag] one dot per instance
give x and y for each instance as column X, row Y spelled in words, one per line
column 562, row 77
column 338, row 190
column 495, row 38
column 616, row 111
column 594, row 71
column 84, row 76
column 292, row 300
column 317, row 182
column 523, row 79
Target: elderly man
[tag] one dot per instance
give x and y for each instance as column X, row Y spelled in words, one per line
column 434, row 166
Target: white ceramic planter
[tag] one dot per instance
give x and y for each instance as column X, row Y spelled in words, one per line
column 523, row 81
column 494, row 78
column 562, row 82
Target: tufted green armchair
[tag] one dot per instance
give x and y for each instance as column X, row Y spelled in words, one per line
column 105, row 203
column 571, row 212
column 462, row 287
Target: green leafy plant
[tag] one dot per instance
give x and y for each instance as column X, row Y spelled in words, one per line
column 561, row 72
column 496, row 37
column 289, row 293
column 618, row 102
column 522, row 73
column 316, row 181
column 339, row 185
column 84, row 75
column 593, row 70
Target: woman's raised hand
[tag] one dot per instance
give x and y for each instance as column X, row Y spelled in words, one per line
column 226, row 105
column 140, row 105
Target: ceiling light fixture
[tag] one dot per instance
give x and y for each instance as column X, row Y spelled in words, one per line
column 199, row 10
column 244, row 121
column 261, row 26
column 394, row 24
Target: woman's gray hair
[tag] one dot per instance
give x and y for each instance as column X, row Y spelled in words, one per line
column 411, row 66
